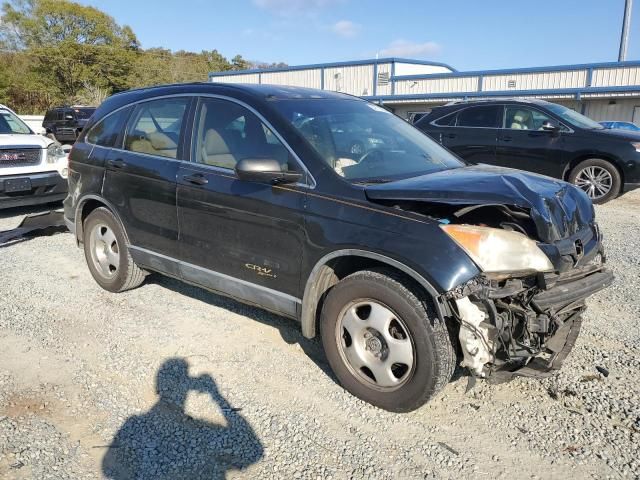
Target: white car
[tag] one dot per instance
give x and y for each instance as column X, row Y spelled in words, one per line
column 33, row 168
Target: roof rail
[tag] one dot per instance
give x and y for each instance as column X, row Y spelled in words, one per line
column 492, row 99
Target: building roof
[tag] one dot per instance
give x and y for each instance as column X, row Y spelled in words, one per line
column 371, row 61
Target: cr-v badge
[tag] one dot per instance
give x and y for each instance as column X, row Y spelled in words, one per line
column 263, row 271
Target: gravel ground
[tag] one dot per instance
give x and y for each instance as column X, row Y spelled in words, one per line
column 174, row 382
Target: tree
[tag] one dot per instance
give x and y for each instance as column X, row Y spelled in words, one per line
column 58, row 51
column 46, row 23
column 240, row 63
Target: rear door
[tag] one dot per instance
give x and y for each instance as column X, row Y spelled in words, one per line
column 473, row 135
column 241, row 238
column 525, row 145
column 140, row 178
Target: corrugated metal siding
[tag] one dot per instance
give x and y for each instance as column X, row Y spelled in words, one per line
column 437, row 85
column 384, row 89
column 606, row 77
column 621, row 110
column 535, row 81
column 249, row 78
column 297, row 78
column 356, row 80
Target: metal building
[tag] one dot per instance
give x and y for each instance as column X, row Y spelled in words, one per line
column 602, row 91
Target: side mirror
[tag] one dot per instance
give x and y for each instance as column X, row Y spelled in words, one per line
column 550, row 126
column 264, row 170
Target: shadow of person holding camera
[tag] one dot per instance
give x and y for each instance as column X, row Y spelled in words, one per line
column 166, row 443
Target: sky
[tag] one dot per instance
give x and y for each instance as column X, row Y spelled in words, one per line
column 466, row 34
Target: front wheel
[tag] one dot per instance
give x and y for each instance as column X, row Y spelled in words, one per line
column 384, row 342
column 599, row 179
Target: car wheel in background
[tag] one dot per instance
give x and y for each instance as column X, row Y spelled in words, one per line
column 107, row 255
column 384, row 342
column 598, row 178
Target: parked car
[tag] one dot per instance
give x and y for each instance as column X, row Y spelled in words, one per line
column 541, row 137
column 64, row 124
column 33, row 168
column 398, row 260
column 621, row 125
column 354, row 137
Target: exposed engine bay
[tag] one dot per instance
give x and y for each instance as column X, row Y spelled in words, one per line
column 526, row 325
column 522, row 324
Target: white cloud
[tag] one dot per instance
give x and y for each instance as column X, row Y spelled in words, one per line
column 404, row 48
column 346, row 28
column 288, row 7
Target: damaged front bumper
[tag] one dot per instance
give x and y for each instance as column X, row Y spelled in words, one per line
column 522, row 326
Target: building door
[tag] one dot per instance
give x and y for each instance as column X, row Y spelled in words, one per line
column 636, row 115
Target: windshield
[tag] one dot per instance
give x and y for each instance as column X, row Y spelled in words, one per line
column 10, row 123
column 363, row 142
column 574, row 118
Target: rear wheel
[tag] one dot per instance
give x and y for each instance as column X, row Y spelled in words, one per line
column 384, row 342
column 107, row 255
column 598, row 178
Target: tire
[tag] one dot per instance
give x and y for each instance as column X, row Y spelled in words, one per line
column 375, row 294
column 585, row 176
column 106, row 253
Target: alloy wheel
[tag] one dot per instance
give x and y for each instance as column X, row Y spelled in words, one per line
column 375, row 344
column 595, row 181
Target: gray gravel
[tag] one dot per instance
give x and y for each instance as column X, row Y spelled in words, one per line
column 169, row 381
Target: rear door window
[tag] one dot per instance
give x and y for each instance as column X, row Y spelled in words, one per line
column 155, row 127
column 485, row 116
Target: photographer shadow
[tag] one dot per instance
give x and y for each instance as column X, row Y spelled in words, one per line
column 166, row 443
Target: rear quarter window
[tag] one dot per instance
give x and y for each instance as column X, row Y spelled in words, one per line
column 106, row 131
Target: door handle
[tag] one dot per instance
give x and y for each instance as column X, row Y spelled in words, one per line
column 118, row 163
column 196, row 179
column 451, row 135
column 506, row 139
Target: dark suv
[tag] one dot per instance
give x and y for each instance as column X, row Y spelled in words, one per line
column 64, row 124
column 541, row 137
column 402, row 257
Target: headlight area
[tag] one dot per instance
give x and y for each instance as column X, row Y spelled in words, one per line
column 58, row 157
column 517, row 318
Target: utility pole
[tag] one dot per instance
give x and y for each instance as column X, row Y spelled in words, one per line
column 624, row 37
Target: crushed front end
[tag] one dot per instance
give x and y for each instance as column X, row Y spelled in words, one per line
column 524, row 322
column 539, row 252
column 523, row 326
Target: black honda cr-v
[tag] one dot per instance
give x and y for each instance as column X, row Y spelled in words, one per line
column 541, row 137
column 402, row 257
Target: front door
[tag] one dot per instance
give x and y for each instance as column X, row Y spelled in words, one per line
column 241, row 238
column 473, row 136
column 140, row 178
column 523, row 144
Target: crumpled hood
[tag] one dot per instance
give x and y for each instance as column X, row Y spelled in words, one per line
column 558, row 208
